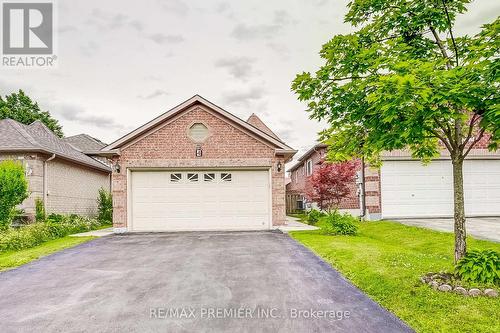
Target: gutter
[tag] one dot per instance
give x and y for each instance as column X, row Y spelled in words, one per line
column 287, row 153
column 45, row 180
column 67, row 158
column 103, row 153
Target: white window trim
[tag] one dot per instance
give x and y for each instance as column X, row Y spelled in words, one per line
column 309, row 167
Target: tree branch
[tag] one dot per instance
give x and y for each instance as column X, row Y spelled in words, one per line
column 446, row 129
column 347, row 78
column 440, row 44
column 476, row 140
column 451, row 32
column 474, row 119
column 443, row 139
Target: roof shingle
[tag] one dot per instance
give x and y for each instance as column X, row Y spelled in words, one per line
column 15, row 136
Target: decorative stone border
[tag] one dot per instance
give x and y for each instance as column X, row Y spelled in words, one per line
column 442, row 282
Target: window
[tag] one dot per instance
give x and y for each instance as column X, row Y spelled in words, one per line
column 175, row 177
column 198, row 132
column 209, row 177
column 193, row 177
column 309, row 167
column 225, row 177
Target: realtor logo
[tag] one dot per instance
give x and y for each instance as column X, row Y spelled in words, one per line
column 27, row 28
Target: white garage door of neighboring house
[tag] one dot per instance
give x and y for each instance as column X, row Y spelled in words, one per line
column 200, row 200
column 409, row 189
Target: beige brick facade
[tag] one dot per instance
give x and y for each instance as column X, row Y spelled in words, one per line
column 72, row 189
column 33, row 164
column 168, row 146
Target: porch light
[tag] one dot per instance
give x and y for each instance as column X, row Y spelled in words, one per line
column 117, row 168
column 278, row 166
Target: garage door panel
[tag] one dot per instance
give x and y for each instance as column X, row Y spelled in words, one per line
column 238, row 202
column 409, row 189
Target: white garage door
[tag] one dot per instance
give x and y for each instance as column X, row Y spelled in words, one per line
column 200, row 200
column 410, row 189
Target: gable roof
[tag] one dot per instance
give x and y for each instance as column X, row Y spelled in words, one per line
column 36, row 137
column 255, row 121
column 84, row 142
column 197, row 99
column 306, row 155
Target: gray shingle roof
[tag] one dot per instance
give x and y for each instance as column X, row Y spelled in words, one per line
column 15, row 136
column 84, row 142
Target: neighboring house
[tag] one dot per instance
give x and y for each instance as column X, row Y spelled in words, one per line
column 198, row 167
column 66, row 179
column 405, row 188
column 87, row 145
column 409, row 189
column 301, row 171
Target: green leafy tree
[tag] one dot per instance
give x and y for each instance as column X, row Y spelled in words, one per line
column 403, row 80
column 13, row 189
column 20, row 107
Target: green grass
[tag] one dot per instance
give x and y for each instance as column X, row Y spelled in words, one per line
column 12, row 259
column 386, row 260
column 104, row 226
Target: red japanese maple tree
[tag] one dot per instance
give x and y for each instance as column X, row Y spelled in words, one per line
column 330, row 183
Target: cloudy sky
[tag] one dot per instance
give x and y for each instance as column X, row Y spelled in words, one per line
column 122, row 63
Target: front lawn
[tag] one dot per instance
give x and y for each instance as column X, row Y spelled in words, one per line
column 386, row 261
column 12, row 259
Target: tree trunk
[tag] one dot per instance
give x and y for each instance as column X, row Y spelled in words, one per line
column 459, row 210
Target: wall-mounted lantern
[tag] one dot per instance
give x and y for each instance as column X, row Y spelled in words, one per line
column 278, row 166
column 117, row 167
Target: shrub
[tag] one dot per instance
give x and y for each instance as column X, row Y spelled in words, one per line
column 13, row 189
column 105, row 207
column 37, row 233
column 314, row 215
column 39, row 210
column 479, row 266
column 339, row 224
column 55, row 218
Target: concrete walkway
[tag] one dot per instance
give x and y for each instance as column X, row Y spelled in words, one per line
column 487, row 228
column 95, row 233
column 294, row 224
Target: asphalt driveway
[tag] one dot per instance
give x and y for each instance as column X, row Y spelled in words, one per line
column 185, row 282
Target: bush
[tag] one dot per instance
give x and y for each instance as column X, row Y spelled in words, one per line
column 39, row 210
column 339, row 224
column 37, row 233
column 479, row 266
column 314, row 215
column 55, row 218
column 13, row 189
column 105, row 207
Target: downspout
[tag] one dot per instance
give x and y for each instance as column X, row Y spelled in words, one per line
column 45, row 182
column 363, row 189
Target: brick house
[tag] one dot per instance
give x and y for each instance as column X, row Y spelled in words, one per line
column 298, row 174
column 198, row 167
column 66, row 179
column 405, row 188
